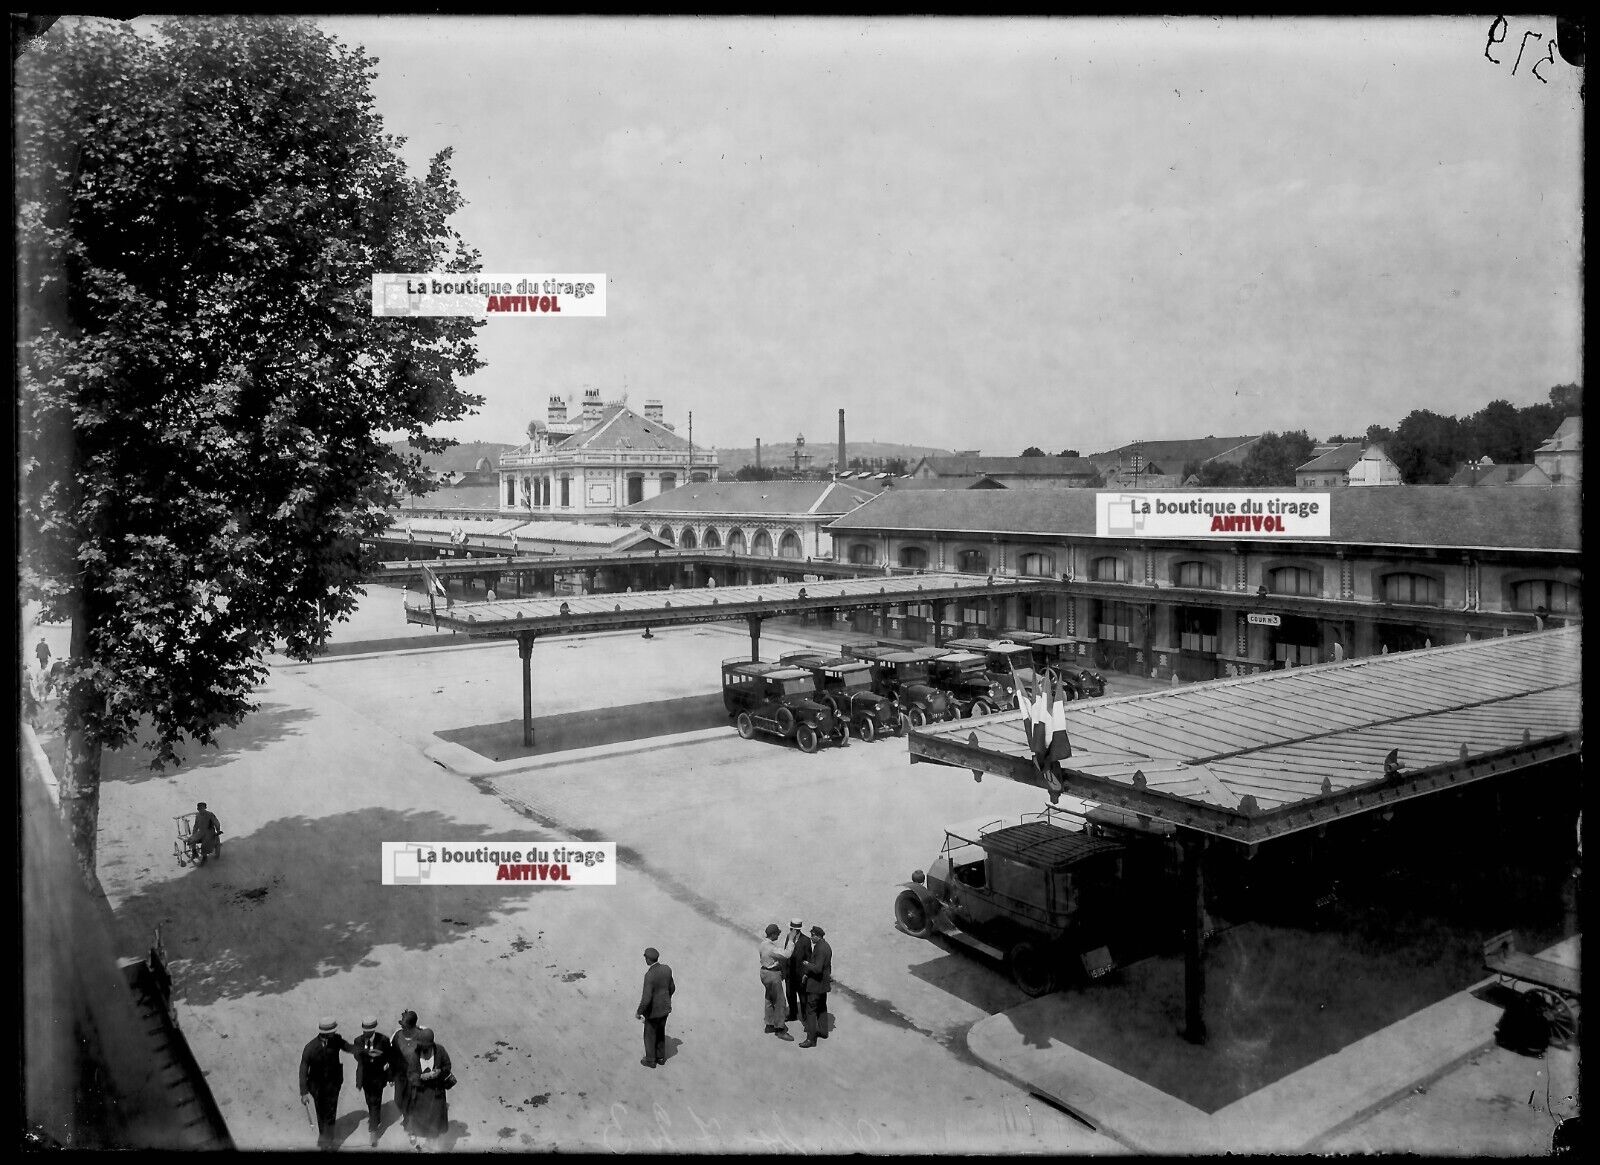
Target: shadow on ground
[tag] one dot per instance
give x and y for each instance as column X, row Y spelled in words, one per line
column 267, row 725
column 592, row 727
column 302, row 898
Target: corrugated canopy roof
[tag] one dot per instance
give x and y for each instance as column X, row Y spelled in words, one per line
column 1268, row 754
column 754, row 498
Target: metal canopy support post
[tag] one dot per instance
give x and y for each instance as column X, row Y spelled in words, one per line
column 1194, row 966
column 525, row 650
column 939, row 608
column 755, row 637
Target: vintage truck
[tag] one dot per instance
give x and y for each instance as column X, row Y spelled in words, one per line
column 901, row 675
column 974, row 689
column 845, row 685
column 1058, row 896
column 781, row 701
column 1056, row 655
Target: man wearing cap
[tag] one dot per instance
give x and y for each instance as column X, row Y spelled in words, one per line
column 321, row 1077
column 793, row 979
column 207, row 831
column 373, row 1069
column 774, row 961
column 818, row 971
column 403, row 1055
column 654, row 1006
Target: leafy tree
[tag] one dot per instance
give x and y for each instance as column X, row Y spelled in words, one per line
column 895, row 466
column 1567, row 399
column 202, row 386
column 1429, row 447
column 1033, row 451
column 1341, row 440
column 1069, row 453
column 755, row 473
column 1497, row 431
column 1273, row 459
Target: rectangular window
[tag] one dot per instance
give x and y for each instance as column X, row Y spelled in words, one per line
column 1109, row 570
column 1113, row 622
column 1197, row 629
column 1410, row 588
column 1197, row 574
column 1039, row 613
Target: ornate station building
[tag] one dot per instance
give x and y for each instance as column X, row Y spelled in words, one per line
column 607, row 457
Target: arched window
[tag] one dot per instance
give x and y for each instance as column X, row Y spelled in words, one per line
column 1109, row 569
column 1196, row 574
column 666, row 535
column 1041, row 565
column 712, row 540
column 863, row 553
column 972, row 562
column 761, row 544
column 1293, row 580
column 688, row 540
column 1556, row 597
column 789, row 545
column 1411, row 588
column 669, row 481
column 913, row 556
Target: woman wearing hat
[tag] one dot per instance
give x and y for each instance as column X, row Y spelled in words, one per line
column 430, row 1107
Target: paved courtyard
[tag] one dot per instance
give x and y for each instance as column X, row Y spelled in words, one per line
column 532, row 989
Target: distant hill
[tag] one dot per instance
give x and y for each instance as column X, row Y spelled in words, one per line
column 823, row 454
column 462, row 458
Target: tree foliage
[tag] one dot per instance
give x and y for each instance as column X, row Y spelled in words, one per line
column 1033, row 451
column 203, row 389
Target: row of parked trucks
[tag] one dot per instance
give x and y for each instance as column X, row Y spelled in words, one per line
column 873, row 690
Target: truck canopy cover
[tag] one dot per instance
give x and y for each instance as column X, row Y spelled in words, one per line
column 1037, row 843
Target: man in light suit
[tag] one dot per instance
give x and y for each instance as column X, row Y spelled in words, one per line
column 654, row 1005
column 818, row 971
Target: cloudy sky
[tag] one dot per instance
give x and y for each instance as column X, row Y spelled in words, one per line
column 992, row 234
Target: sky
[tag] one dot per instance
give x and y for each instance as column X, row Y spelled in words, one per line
column 990, row 234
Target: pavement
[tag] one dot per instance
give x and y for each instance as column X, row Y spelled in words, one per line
column 532, row 992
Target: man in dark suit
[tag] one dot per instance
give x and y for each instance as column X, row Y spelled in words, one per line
column 321, row 1077
column 373, row 1069
column 818, row 971
column 654, row 1006
column 794, row 978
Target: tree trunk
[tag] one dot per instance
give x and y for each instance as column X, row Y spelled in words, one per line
column 80, row 776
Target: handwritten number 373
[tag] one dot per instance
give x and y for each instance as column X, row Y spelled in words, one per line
column 1497, row 35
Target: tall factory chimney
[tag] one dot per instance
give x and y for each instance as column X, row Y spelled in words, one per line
column 758, row 452
column 843, row 464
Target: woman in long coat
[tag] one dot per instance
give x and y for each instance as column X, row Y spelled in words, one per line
column 430, row 1077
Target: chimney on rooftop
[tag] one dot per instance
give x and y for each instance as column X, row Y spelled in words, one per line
column 654, row 412
column 556, row 412
column 591, row 404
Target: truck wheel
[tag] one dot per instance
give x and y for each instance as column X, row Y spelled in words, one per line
column 785, row 718
column 1030, row 968
column 745, row 725
column 909, row 913
column 867, row 728
column 806, row 737
column 981, row 708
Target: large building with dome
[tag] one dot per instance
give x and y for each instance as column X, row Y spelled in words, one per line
column 586, row 468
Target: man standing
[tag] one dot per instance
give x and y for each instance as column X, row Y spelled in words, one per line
column 207, row 831
column 793, row 979
column 654, row 1006
column 321, row 1077
column 373, row 1067
column 43, row 652
column 403, row 1053
column 818, row 972
column 774, row 961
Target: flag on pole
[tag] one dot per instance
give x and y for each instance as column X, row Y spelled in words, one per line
column 1045, row 715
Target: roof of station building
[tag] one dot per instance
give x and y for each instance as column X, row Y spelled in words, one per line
column 755, row 498
column 620, row 428
column 1415, row 515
